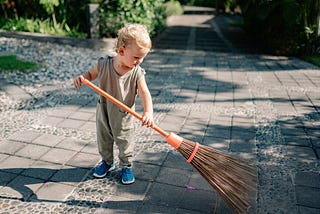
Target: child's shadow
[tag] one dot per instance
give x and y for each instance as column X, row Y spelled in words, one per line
column 29, row 181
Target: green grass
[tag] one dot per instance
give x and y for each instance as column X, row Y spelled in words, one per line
column 11, row 62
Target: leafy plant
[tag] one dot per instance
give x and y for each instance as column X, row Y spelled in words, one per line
column 287, row 26
column 35, row 25
column 314, row 59
column 49, row 6
column 116, row 13
column 173, row 7
column 57, row 17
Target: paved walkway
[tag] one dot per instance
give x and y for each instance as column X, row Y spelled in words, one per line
column 207, row 87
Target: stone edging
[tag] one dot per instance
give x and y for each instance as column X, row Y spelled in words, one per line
column 105, row 44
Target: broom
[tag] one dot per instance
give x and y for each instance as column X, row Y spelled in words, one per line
column 231, row 177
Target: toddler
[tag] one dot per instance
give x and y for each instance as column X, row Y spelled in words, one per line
column 123, row 78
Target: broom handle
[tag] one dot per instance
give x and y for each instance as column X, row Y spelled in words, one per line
column 121, row 105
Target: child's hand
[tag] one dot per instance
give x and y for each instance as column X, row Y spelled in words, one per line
column 77, row 82
column 147, row 119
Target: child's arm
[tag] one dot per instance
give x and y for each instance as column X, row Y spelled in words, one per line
column 90, row 75
column 146, row 100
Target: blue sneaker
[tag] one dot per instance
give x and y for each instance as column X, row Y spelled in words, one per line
column 102, row 169
column 127, row 175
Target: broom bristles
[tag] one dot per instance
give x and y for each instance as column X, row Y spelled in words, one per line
column 231, row 177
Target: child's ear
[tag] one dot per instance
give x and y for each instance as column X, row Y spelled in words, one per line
column 121, row 51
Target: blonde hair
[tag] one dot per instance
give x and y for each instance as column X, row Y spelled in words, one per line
column 133, row 33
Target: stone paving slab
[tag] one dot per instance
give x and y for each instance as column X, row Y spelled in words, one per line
column 208, row 85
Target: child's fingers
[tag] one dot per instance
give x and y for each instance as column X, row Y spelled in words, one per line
column 147, row 121
column 77, row 83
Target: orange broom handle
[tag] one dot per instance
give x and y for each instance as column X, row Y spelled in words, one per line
column 121, row 105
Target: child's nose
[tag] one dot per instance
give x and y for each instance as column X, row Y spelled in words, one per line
column 139, row 61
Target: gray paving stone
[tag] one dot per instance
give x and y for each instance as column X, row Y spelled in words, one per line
column 24, row 136
column 70, row 175
column 303, row 154
column 11, row 147
column 285, row 109
column 89, row 126
column 242, row 134
column 182, row 211
column 89, row 108
column 219, row 132
column 145, row 171
column 221, row 144
column 116, row 204
column 22, row 187
column 310, row 179
column 308, row 196
column 91, row 147
column 79, row 115
column 84, row 160
column 153, row 208
column 221, row 121
column 48, row 140
column 16, row 92
column 51, row 121
column 198, row 200
column 174, row 176
column 315, row 141
column 176, row 161
column 313, row 132
column 70, row 143
column 62, row 111
column 3, row 156
column 15, row 164
column 307, row 210
column 59, row 156
column 6, row 177
column 137, row 191
column 33, row 151
column 52, row 191
column 318, row 152
column 41, row 170
column 164, row 195
column 170, row 126
column 70, row 123
column 247, row 146
column 151, row 158
column 296, row 131
column 297, row 140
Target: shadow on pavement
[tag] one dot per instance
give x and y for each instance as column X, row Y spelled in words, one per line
column 25, row 183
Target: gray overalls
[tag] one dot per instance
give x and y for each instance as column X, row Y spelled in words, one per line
column 114, row 124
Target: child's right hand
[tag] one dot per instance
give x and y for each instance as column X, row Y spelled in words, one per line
column 77, row 82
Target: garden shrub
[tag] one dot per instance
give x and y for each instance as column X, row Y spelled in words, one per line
column 58, row 17
column 283, row 26
column 115, row 13
column 173, row 7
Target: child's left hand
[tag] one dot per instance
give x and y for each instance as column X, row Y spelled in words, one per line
column 147, row 119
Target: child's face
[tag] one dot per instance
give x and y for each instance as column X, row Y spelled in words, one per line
column 133, row 55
